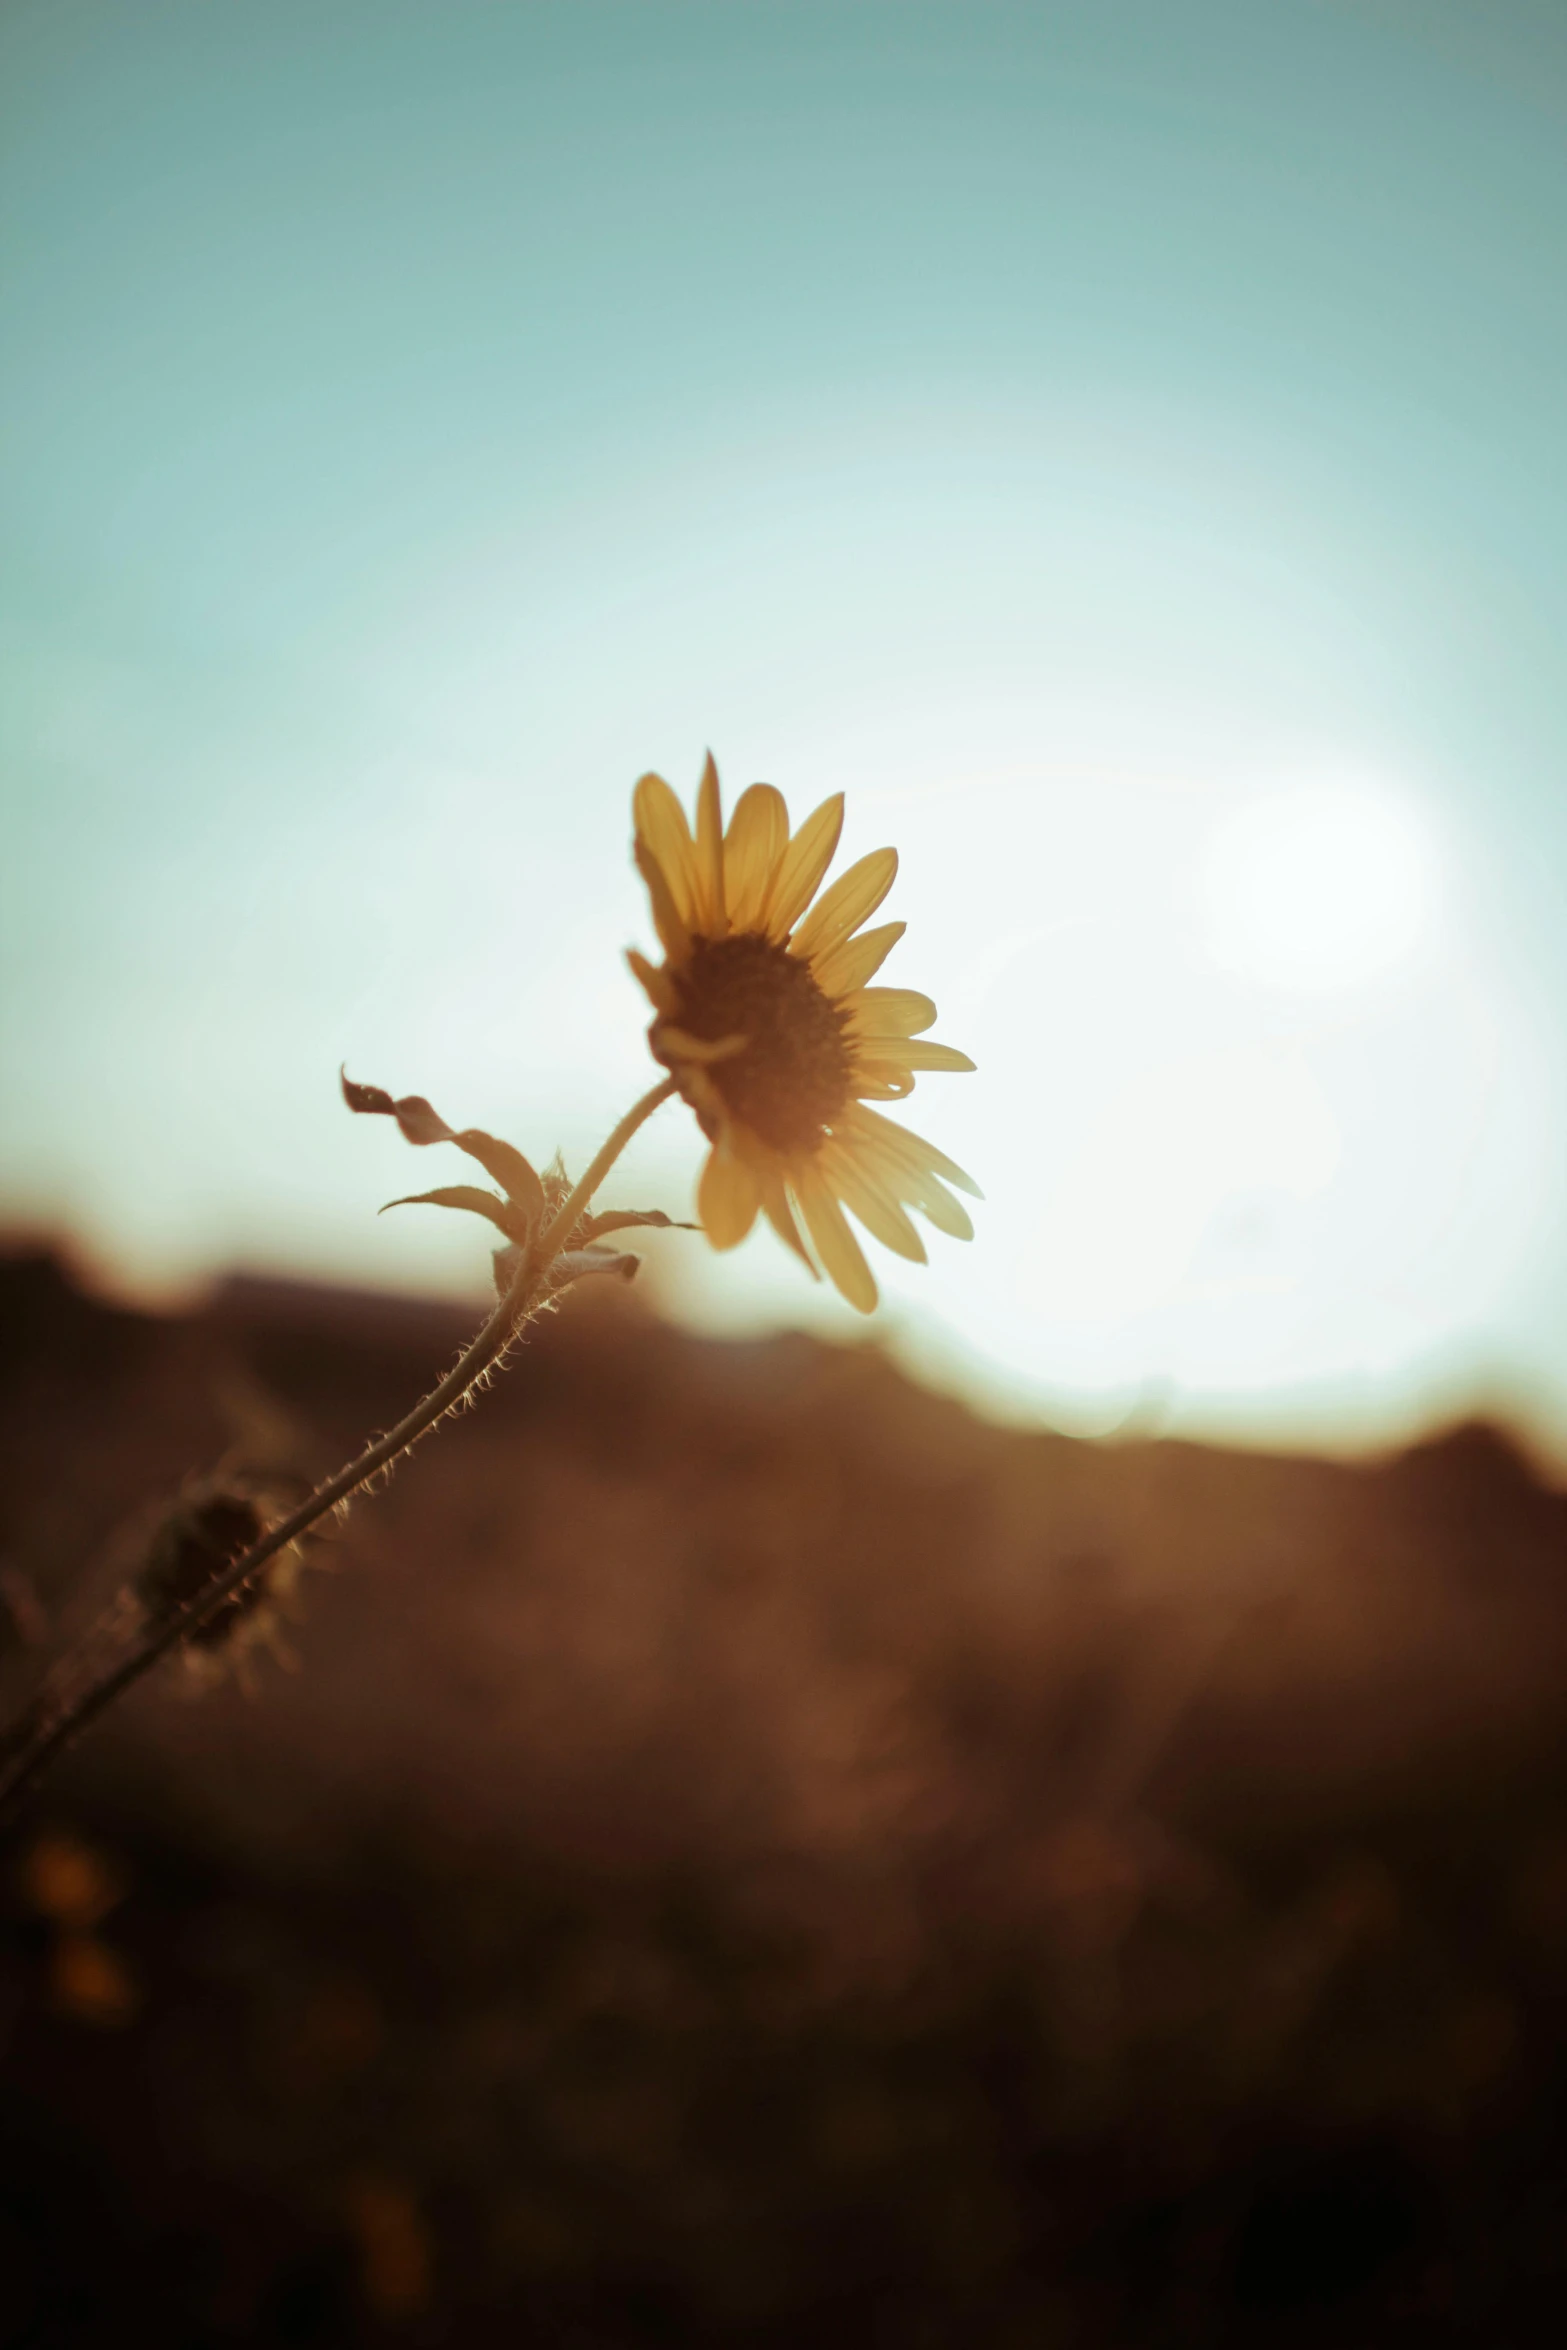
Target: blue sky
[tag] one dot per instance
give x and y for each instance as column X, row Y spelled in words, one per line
column 1120, row 446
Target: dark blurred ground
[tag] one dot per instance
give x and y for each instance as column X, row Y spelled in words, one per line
column 752, row 1854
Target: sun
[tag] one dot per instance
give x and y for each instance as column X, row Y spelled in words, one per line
column 1322, row 888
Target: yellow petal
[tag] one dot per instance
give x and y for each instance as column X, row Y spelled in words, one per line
column 801, row 867
column 696, row 1087
column 883, row 1085
column 661, row 991
column 709, row 917
column 852, row 899
column 758, row 835
column 916, row 1189
column 909, row 1052
column 858, row 959
column 662, row 827
column 776, row 1208
column 668, row 920
column 876, row 1208
column 904, row 1149
column 679, row 1043
column 889, row 1011
column 886, row 1011
column 927, row 1193
column 727, row 1199
column 840, row 1252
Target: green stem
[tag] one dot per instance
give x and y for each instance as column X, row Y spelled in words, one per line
column 554, row 1239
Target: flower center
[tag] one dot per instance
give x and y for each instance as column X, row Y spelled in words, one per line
column 792, row 1075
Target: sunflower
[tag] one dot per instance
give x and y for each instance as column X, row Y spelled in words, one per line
column 765, row 1020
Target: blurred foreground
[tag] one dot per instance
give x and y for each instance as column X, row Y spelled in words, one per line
column 753, row 1854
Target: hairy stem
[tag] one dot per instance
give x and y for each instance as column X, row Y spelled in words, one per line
column 72, row 1698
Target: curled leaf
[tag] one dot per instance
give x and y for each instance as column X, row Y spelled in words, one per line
column 622, row 1219
column 500, row 1212
column 573, row 1263
column 369, row 1100
column 419, row 1122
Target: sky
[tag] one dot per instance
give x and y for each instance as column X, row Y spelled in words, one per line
column 1121, row 447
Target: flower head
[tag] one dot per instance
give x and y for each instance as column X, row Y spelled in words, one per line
column 764, row 1017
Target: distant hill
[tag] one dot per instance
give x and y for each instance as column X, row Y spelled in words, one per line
column 807, row 1864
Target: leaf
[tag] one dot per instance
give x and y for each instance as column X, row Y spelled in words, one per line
column 368, row 1099
column 467, row 1195
column 621, row 1219
column 419, row 1120
column 420, row 1123
column 510, row 1169
column 573, row 1263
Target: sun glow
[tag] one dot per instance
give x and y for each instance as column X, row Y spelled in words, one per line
column 1321, row 888
column 1254, row 1125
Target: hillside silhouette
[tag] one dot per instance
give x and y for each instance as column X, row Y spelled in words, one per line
column 742, row 1850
